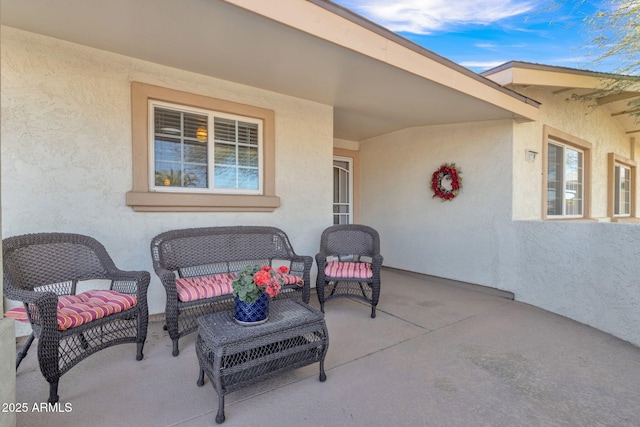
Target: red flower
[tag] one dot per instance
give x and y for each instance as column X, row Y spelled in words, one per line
column 283, row 269
column 262, row 278
column 273, row 288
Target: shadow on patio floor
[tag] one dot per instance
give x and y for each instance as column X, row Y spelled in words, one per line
column 436, row 355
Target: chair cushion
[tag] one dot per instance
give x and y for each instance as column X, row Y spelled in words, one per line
column 348, row 270
column 195, row 288
column 18, row 313
column 76, row 310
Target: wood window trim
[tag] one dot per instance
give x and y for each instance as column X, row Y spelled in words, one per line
column 614, row 159
column 565, row 138
column 141, row 199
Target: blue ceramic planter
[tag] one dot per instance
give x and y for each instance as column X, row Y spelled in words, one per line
column 252, row 313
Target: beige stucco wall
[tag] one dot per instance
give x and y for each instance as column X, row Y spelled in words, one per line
column 7, row 370
column 456, row 239
column 587, row 271
column 66, row 152
column 579, row 119
column 7, row 347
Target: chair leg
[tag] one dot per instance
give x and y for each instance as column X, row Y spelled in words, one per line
column 139, row 354
column 23, row 351
column 53, row 392
column 175, row 348
column 200, row 382
column 373, row 311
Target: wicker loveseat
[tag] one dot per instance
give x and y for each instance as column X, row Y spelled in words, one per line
column 47, row 272
column 213, row 255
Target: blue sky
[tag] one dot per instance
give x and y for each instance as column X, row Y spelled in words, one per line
column 481, row 34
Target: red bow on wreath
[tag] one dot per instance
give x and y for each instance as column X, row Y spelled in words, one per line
column 449, row 172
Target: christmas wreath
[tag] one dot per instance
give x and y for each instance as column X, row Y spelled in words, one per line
column 446, row 182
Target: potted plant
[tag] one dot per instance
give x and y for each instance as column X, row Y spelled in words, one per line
column 253, row 287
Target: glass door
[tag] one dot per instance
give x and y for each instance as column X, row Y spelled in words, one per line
column 342, row 190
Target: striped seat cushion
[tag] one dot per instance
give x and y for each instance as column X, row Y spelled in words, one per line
column 348, row 270
column 290, row 279
column 76, row 310
column 195, row 288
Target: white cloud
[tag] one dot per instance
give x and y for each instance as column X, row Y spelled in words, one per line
column 499, row 47
column 426, row 16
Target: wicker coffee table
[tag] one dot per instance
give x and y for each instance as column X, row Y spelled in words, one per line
column 234, row 356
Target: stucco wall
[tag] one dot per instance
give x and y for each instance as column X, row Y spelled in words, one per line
column 587, row 271
column 7, row 369
column 66, row 151
column 457, row 239
column 579, row 119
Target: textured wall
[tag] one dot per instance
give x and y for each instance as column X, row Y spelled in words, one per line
column 66, row 151
column 7, row 370
column 458, row 239
column 579, row 119
column 587, row 271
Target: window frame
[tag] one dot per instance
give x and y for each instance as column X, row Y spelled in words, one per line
column 562, row 138
column 613, row 161
column 211, row 116
column 143, row 199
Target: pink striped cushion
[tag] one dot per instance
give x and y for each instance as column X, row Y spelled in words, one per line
column 76, row 310
column 351, row 270
column 290, row 279
column 195, row 288
column 18, row 313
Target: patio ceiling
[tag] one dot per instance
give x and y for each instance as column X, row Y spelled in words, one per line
column 376, row 81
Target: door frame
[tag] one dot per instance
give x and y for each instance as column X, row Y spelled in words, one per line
column 354, row 157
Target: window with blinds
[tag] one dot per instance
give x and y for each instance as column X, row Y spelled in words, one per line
column 204, row 151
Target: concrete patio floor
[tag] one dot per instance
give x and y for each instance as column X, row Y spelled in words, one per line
column 438, row 354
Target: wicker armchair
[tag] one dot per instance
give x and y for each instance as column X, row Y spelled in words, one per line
column 209, row 251
column 349, row 264
column 43, row 271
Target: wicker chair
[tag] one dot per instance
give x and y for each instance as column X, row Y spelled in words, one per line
column 43, row 271
column 349, row 264
column 209, row 251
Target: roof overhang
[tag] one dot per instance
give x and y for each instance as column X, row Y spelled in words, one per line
column 376, row 81
column 616, row 93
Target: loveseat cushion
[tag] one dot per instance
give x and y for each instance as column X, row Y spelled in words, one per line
column 290, row 279
column 76, row 310
column 348, row 270
column 195, row 288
